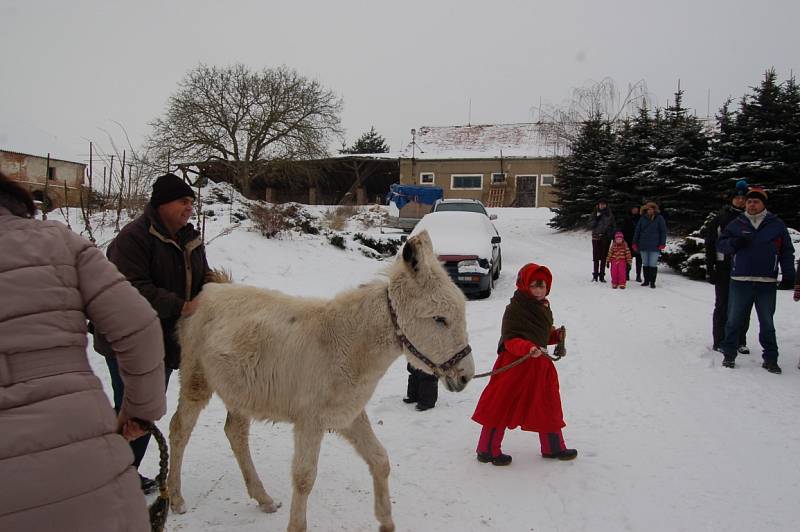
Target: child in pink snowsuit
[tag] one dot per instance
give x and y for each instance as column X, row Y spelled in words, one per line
column 619, row 257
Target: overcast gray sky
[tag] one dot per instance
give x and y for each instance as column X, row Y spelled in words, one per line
column 71, row 69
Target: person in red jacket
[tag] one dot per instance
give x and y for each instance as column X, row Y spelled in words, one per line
column 527, row 395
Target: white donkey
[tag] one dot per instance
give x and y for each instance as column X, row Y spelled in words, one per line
column 315, row 363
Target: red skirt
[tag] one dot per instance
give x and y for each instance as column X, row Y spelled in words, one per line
column 525, row 396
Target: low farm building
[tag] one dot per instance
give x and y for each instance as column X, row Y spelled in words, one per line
column 502, row 165
column 54, row 182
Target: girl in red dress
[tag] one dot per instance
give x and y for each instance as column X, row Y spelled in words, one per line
column 526, row 395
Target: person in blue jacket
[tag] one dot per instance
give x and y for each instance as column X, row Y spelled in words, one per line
column 759, row 242
column 650, row 239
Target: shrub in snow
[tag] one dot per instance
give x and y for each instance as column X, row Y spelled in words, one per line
column 687, row 256
column 385, row 248
column 269, row 220
column 337, row 218
column 336, row 241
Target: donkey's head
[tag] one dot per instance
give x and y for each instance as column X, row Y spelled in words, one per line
column 429, row 313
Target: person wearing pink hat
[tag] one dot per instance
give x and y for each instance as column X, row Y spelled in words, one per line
column 618, row 261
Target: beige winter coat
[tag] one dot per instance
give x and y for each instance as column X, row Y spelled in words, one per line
column 62, row 466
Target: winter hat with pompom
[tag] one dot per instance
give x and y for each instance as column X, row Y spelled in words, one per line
column 741, row 188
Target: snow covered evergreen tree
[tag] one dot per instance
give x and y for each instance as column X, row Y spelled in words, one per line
column 632, row 150
column 677, row 174
column 764, row 144
column 582, row 175
column 369, row 142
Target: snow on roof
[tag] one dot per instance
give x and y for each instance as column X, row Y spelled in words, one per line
column 527, row 140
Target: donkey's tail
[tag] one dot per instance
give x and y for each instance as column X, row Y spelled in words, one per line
column 219, row 275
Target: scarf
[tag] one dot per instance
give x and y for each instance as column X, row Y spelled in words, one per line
column 527, row 318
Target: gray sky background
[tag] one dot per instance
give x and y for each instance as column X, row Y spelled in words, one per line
column 71, row 69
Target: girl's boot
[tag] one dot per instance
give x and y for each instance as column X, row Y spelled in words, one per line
column 489, row 446
column 553, row 446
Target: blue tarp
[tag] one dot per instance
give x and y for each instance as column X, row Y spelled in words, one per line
column 402, row 194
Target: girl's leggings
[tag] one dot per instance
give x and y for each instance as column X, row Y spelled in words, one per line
column 492, row 437
column 619, row 270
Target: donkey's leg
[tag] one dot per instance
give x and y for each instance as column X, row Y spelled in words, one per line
column 194, row 396
column 237, row 428
column 307, row 441
column 366, row 444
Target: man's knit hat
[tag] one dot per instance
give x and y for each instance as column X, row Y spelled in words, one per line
column 169, row 187
column 757, row 193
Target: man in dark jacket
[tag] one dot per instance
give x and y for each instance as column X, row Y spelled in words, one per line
column 718, row 269
column 759, row 242
column 163, row 257
column 603, row 227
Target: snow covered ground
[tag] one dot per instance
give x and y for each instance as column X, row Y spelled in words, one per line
column 668, row 439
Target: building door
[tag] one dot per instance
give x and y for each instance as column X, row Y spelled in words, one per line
column 526, row 191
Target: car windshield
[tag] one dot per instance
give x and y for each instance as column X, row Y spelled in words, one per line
column 463, row 207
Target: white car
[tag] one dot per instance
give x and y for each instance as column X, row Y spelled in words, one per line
column 465, row 205
column 469, row 246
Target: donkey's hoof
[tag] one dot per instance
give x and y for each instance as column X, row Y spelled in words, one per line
column 386, row 528
column 178, row 506
column 269, row 508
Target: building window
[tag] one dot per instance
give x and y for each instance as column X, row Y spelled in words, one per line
column 466, row 181
column 426, row 178
column 498, row 177
column 51, row 172
column 548, row 179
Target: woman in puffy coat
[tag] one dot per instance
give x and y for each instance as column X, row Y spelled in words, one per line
column 650, row 239
column 64, row 462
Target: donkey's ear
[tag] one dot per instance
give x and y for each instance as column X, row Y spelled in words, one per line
column 410, row 255
column 416, row 249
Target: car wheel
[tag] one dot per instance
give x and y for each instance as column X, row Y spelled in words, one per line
column 496, row 273
column 486, row 293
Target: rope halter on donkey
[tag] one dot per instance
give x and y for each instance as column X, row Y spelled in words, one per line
column 438, row 369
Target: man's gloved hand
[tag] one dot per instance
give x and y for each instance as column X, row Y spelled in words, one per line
column 635, row 248
column 743, row 241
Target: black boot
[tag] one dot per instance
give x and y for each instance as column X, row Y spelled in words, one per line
column 646, row 274
column 653, row 275
column 771, row 366
column 594, row 277
column 602, row 277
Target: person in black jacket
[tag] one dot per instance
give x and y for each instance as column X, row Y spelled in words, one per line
column 603, row 227
column 718, row 268
column 628, row 230
column 163, row 256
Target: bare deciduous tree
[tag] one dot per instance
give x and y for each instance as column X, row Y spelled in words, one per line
column 234, row 114
column 595, row 98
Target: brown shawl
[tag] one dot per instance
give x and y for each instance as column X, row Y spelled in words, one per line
column 527, row 318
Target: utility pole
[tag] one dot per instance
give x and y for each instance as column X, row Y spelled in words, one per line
column 130, row 180
column 46, row 179
column 121, row 189
column 110, row 175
